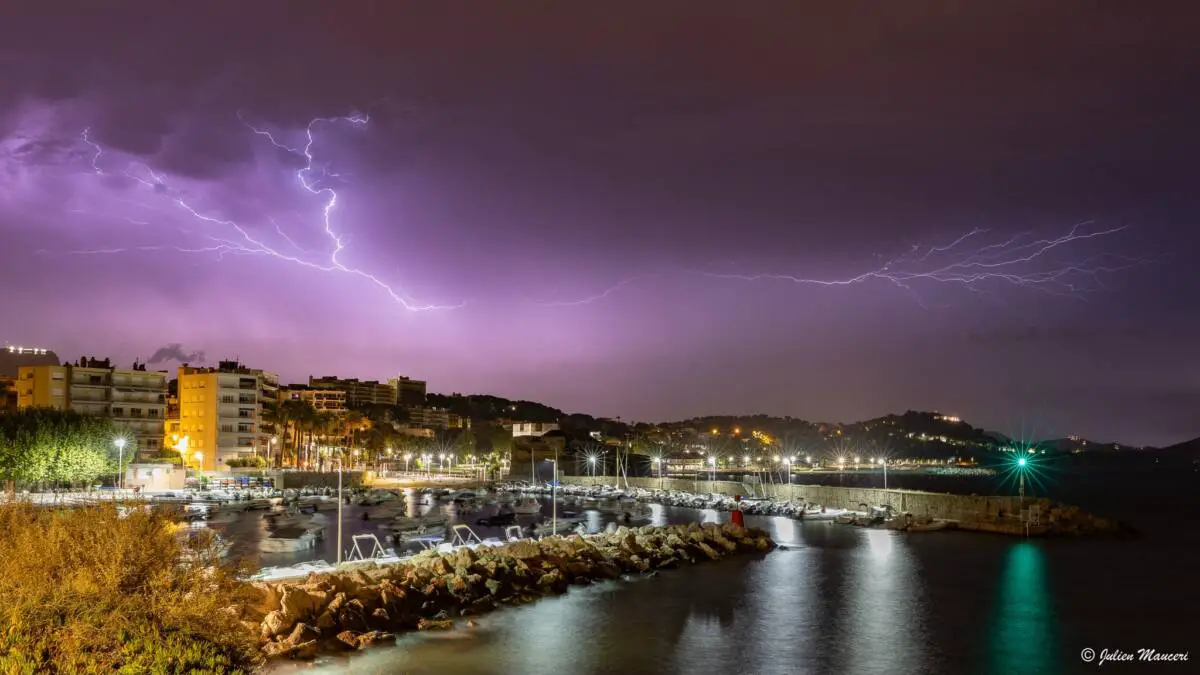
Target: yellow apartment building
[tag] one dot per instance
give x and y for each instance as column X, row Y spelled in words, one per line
column 134, row 398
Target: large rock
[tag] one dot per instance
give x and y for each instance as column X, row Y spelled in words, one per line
column 276, row 623
column 302, row 633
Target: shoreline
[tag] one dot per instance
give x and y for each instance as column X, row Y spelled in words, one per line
column 992, row 515
column 346, row 611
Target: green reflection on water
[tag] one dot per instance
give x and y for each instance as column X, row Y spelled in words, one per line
column 1022, row 635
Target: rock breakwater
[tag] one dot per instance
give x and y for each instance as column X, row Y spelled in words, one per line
column 349, row 611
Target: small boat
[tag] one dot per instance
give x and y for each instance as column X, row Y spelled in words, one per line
column 845, row 519
column 401, row 523
column 291, row 540
column 546, row 529
column 932, row 526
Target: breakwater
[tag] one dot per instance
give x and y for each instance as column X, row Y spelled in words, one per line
column 354, row 610
column 994, row 514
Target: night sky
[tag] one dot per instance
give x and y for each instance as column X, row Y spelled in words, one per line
column 654, row 210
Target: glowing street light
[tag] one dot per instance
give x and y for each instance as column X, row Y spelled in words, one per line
column 883, row 462
column 1021, row 478
column 120, row 443
column 407, row 456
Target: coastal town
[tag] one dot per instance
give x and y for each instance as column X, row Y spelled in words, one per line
column 389, row 509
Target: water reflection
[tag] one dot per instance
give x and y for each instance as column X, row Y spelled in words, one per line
column 883, row 618
column 1022, row 634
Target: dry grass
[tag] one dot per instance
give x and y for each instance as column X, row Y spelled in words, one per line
column 85, row 590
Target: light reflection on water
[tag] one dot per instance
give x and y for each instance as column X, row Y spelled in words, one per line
column 845, row 600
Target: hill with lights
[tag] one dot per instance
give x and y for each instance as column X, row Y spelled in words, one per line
column 911, row 434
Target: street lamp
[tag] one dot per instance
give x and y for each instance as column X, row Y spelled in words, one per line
column 883, row 462
column 1021, row 478
column 339, row 512
column 592, row 466
column 407, row 456
column 787, row 462
column 120, row 442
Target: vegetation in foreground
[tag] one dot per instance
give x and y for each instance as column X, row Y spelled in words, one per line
column 93, row 590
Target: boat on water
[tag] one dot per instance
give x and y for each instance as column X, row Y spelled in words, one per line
column 564, row 526
column 377, row 497
column 290, row 540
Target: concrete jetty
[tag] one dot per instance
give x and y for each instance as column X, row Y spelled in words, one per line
column 353, row 610
column 994, row 514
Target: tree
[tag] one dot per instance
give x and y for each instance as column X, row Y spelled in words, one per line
column 43, row 445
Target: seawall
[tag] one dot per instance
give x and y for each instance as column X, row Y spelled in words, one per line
column 932, row 504
column 353, row 610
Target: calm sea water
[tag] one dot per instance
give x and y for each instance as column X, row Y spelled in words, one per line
column 849, row 600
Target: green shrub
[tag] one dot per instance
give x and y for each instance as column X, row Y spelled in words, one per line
column 86, row 590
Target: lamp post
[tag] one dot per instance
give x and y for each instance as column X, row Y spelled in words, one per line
column 554, row 495
column 592, row 466
column 407, row 456
column 1021, row 479
column 787, row 464
column 339, row 513
column 883, row 462
column 120, row 482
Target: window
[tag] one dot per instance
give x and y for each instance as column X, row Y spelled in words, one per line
column 227, row 428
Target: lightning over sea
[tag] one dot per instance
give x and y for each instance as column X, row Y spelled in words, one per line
column 972, row 261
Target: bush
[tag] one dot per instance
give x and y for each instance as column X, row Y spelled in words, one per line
column 246, row 462
column 86, row 590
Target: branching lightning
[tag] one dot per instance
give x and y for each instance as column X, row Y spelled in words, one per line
column 968, row 261
column 241, row 241
column 1017, row 261
column 1020, row 261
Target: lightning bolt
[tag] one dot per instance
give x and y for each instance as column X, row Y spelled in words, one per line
column 599, row 296
column 1008, row 262
column 1017, row 261
column 243, row 242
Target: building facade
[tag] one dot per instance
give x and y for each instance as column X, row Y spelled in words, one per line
column 520, row 429
column 410, row 393
column 436, row 418
column 357, row 392
column 320, row 398
column 135, row 398
column 220, row 414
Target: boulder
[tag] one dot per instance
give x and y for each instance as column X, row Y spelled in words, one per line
column 435, row 624
column 302, row 633
column 523, row 550
column 275, row 623
column 464, row 557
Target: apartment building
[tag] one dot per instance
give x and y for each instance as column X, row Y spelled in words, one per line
column 520, row 429
column 358, row 392
column 436, row 418
column 134, row 398
column 321, row 399
column 220, row 413
column 410, row 393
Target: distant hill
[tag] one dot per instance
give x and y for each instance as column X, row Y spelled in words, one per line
column 1187, row 449
column 913, row 433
